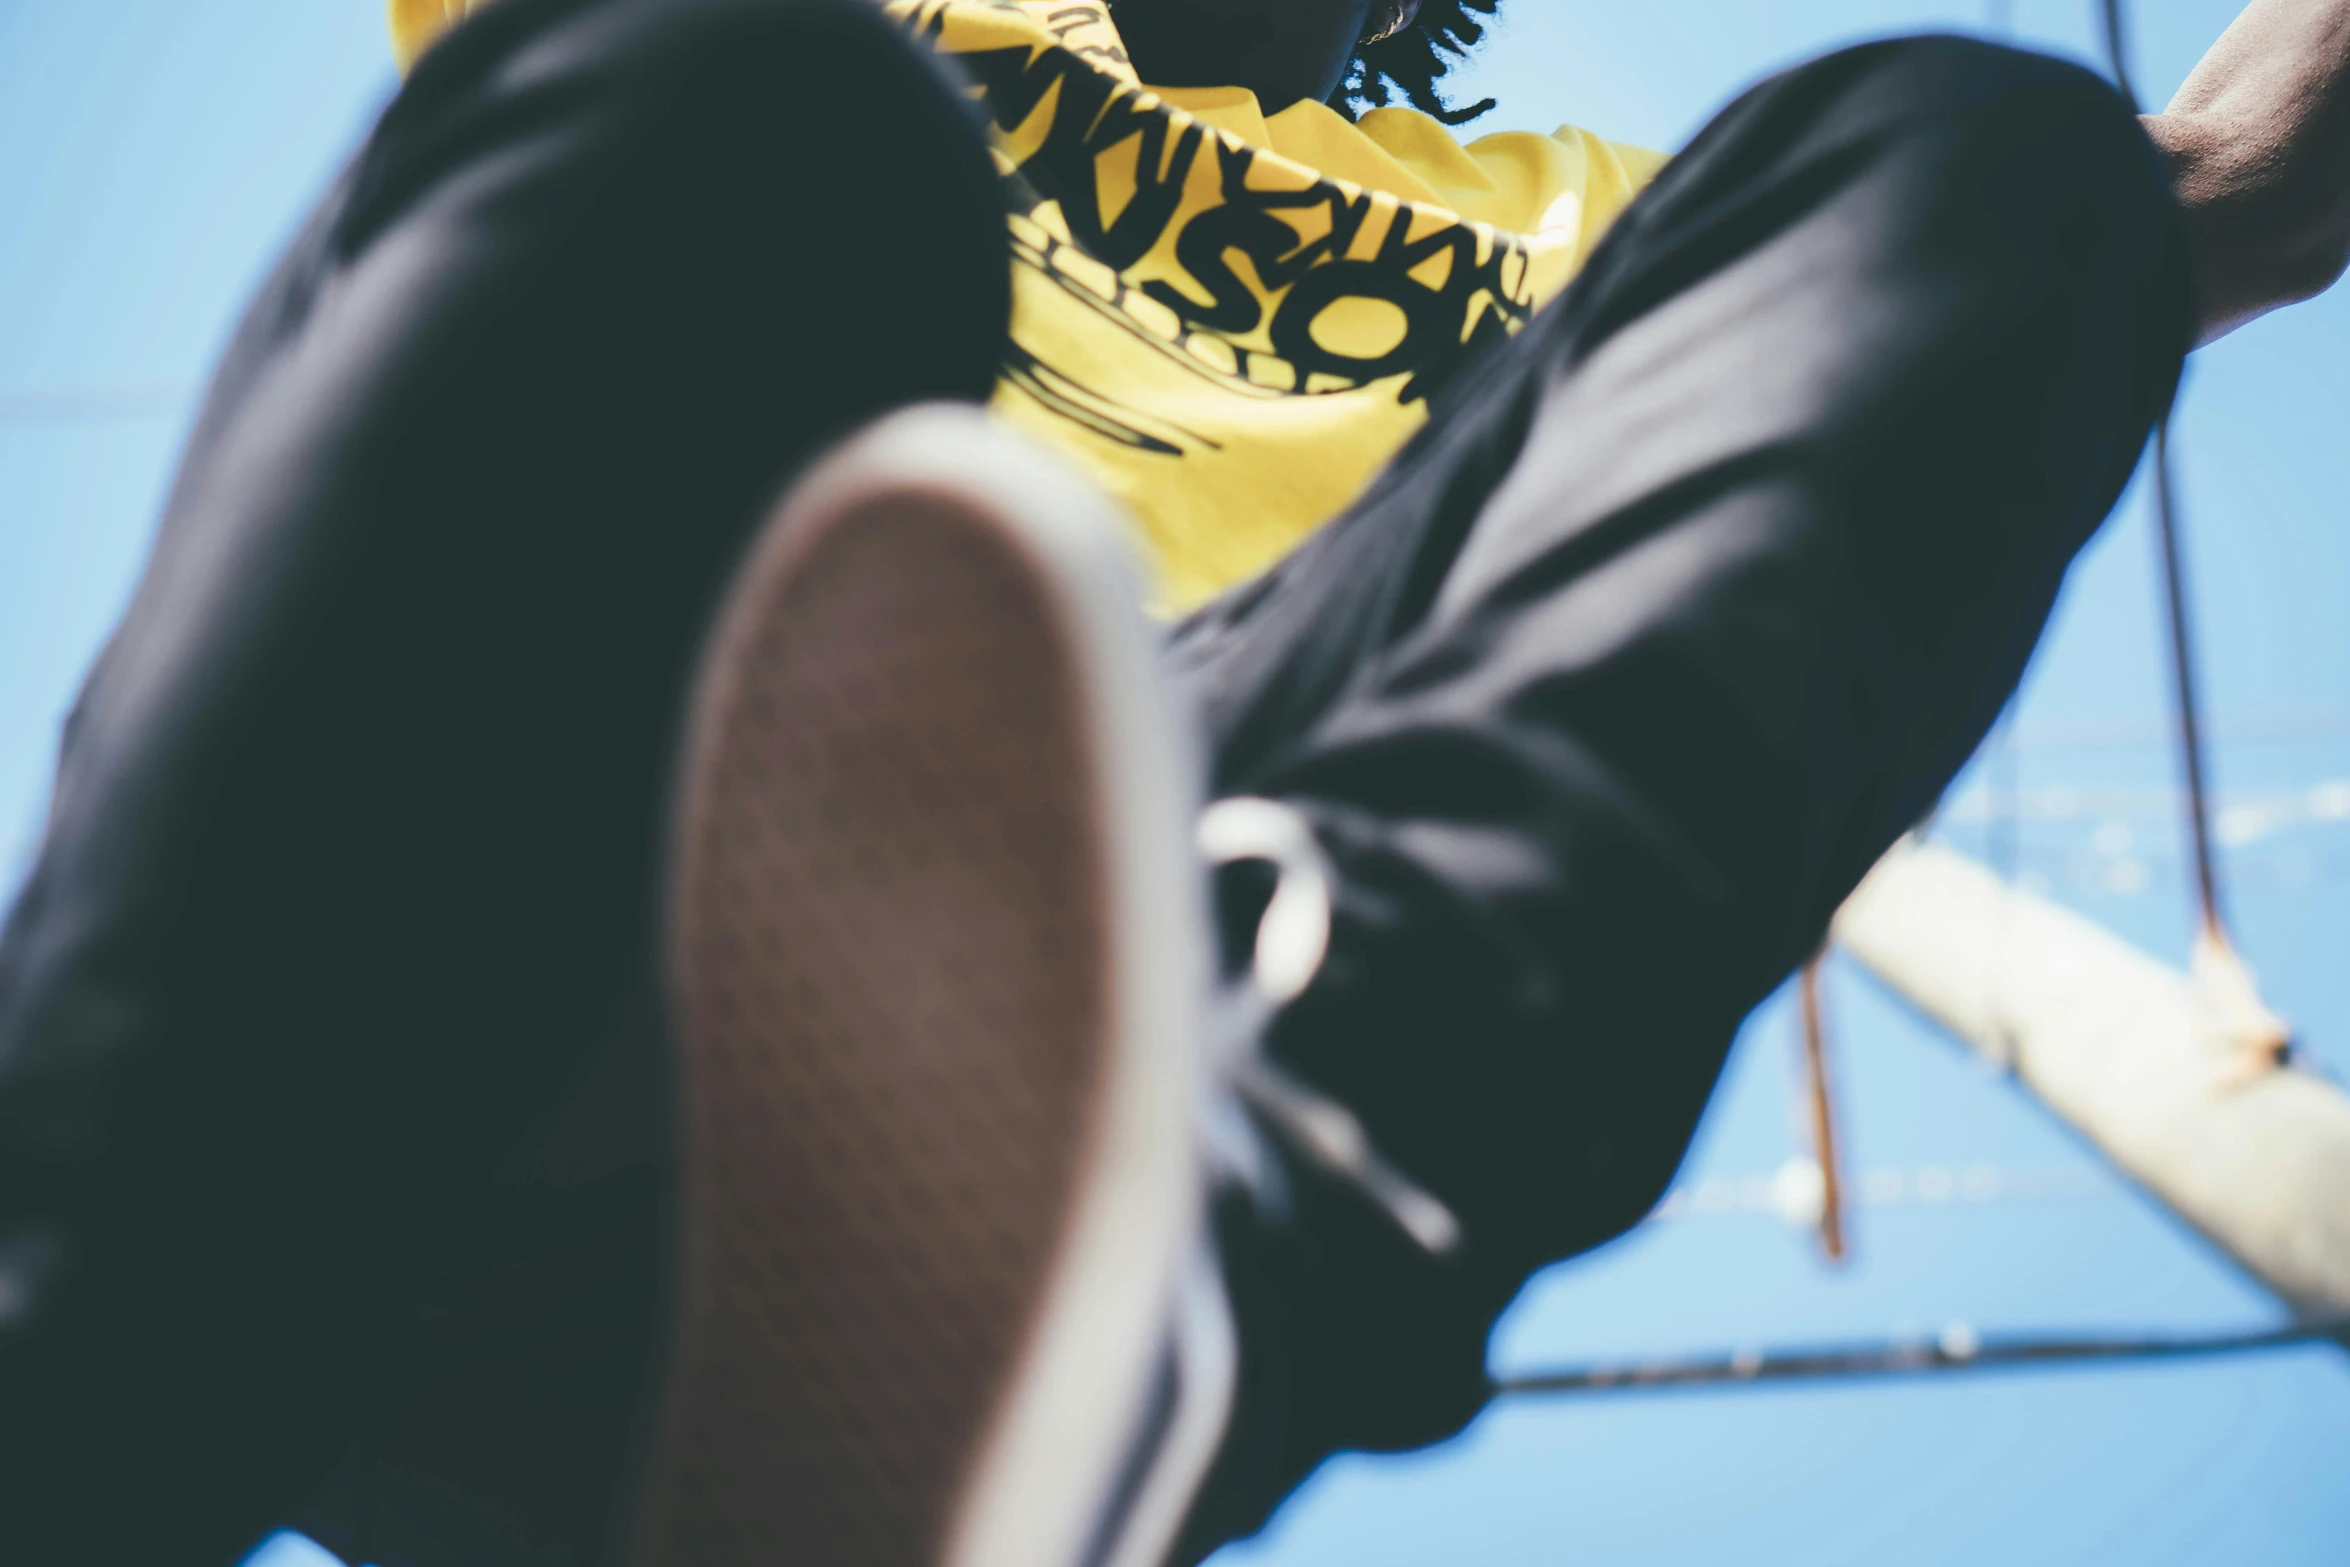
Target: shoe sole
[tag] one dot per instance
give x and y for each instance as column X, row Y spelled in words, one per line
column 934, row 957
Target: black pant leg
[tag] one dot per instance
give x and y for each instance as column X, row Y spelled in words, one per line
column 1690, row 601
column 353, row 843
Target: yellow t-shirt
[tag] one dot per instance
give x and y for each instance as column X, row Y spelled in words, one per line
column 1231, row 321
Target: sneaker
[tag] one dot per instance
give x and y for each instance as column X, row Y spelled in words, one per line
column 936, row 949
column 958, row 1083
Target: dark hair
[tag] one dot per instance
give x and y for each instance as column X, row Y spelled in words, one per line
column 1414, row 61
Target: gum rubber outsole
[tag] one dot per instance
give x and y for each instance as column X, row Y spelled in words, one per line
column 899, row 1000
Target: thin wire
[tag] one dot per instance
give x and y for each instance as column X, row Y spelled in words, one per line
column 1957, row 1349
column 2004, row 830
column 2097, row 734
column 2117, row 51
column 1822, row 1107
column 2166, row 524
column 2174, row 581
column 1988, row 806
column 1781, row 1195
column 2002, row 800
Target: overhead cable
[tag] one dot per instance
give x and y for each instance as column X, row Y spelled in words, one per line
column 2240, row 1021
column 1793, row 1192
column 1957, row 1348
column 1821, row 1096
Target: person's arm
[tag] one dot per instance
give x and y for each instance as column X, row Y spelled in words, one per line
column 2259, row 136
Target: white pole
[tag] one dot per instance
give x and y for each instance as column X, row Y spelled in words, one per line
column 2258, row 1160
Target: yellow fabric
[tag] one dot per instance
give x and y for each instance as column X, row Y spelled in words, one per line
column 416, row 23
column 1232, row 321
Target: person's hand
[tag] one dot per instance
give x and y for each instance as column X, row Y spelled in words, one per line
column 2259, row 142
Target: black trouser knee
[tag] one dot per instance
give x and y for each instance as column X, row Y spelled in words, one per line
column 352, row 854
column 1678, row 611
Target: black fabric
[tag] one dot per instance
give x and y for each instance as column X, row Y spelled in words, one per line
column 330, row 1068
column 324, row 980
column 1683, row 606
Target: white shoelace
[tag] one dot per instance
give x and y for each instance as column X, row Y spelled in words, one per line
column 1293, row 937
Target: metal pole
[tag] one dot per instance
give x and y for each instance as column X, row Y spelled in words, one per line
column 2120, row 1046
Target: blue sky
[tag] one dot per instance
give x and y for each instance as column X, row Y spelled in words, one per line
column 153, row 155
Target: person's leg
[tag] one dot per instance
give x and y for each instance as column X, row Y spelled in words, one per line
column 1685, row 607
column 351, row 856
